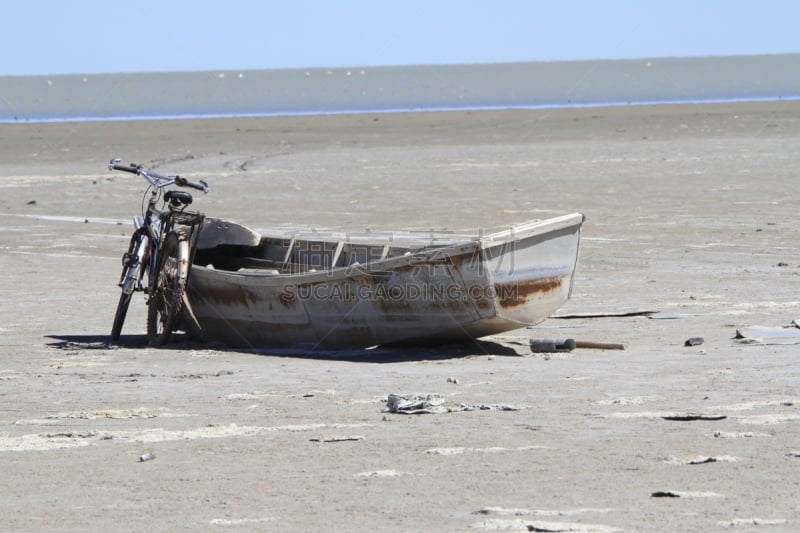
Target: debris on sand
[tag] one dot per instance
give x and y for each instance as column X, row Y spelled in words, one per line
column 600, row 345
column 513, row 519
column 683, row 494
column 768, row 335
column 337, row 438
column 607, row 314
column 415, row 404
column 693, row 417
column 567, row 345
column 701, row 460
column 552, row 345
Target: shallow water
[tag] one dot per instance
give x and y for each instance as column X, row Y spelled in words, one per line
column 405, row 88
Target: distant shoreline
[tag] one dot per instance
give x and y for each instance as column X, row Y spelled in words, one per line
column 393, row 111
column 358, row 90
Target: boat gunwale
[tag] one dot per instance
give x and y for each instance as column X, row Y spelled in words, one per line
column 423, row 255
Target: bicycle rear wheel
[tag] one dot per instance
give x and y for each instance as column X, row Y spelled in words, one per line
column 166, row 298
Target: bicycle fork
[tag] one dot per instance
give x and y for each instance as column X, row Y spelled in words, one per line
column 134, row 260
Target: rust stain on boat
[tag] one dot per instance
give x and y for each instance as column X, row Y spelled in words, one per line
column 483, row 302
column 517, row 293
column 228, row 294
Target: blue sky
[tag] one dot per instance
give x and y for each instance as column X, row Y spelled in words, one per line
column 102, row 36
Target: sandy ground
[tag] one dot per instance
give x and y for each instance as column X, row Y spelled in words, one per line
column 690, row 210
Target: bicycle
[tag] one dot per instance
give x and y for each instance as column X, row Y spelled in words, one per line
column 162, row 248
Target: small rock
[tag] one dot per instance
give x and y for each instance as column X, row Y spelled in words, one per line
column 702, row 460
column 693, row 341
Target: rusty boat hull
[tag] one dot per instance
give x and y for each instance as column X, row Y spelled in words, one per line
column 255, row 291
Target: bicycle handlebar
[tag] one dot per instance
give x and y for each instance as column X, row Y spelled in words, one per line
column 156, row 179
column 114, row 165
column 183, row 182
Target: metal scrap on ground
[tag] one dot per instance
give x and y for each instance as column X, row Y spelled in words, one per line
column 552, row 345
column 769, row 335
column 415, row 404
column 605, row 314
column 567, row 345
column 691, row 417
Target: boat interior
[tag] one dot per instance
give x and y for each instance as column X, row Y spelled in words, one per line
column 293, row 255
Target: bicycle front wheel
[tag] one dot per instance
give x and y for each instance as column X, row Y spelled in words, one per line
column 166, row 298
column 119, row 316
column 131, row 279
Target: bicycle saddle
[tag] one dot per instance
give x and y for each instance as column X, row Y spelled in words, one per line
column 178, row 198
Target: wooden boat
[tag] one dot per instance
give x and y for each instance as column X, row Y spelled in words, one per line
column 255, row 291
